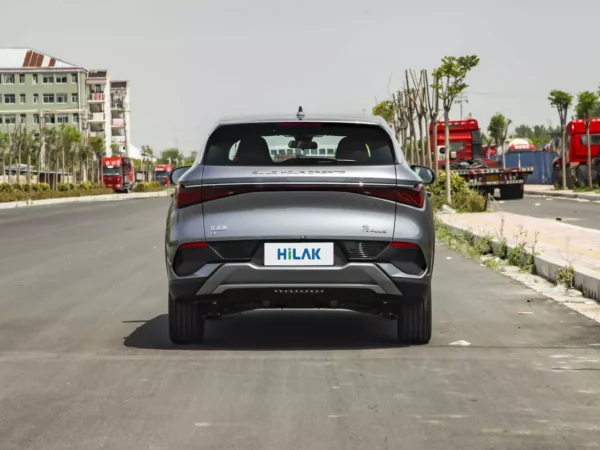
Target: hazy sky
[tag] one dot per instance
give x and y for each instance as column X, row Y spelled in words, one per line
column 192, row 61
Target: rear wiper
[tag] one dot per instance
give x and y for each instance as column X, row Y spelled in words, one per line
column 323, row 159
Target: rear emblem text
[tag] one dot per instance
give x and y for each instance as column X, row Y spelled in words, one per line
column 368, row 229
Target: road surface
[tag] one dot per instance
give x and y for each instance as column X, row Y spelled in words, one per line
column 581, row 213
column 85, row 362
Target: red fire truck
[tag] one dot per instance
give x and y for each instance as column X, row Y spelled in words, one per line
column 576, row 146
column 161, row 173
column 468, row 160
column 118, row 173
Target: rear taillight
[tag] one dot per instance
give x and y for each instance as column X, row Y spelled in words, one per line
column 186, row 196
column 406, row 195
column 193, row 245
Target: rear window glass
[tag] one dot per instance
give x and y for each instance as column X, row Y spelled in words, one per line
column 298, row 143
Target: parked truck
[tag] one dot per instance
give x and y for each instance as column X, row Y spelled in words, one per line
column 576, row 149
column 467, row 159
column 118, row 173
column 161, row 173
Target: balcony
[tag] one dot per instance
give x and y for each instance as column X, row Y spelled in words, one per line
column 116, row 105
column 100, row 134
column 118, row 123
column 96, row 97
column 118, row 139
column 97, row 117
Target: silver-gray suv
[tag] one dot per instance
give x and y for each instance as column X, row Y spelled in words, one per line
column 300, row 212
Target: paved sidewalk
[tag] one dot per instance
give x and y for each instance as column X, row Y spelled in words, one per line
column 549, row 191
column 558, row 244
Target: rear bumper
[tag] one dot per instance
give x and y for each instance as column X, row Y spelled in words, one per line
column 377, row 281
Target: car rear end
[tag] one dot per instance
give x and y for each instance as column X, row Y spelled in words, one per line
column 251, row 229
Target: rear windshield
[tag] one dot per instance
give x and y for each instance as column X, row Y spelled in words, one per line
column 299, row 143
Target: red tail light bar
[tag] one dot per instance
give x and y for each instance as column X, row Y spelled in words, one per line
column 405, row 195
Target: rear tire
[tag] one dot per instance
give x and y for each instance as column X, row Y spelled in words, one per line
column 186, row 323
column 414, row 323
column 512, row 192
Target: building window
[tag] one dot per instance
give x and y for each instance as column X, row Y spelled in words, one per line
column 35, row 78
column 73, row 78
column 61, row 79
column 8, row 78
column 74, row 98
column 36, row 136
column 9, row 98
column 48, row 79
column 48, row 98
column 23, row 98
column 75, row 118
column 22, row 78
column 49, row 118
column 10, row 119
column 61, row 98
column 62, row 118
column 23, row 118
column 35, row 99
column 36, row 118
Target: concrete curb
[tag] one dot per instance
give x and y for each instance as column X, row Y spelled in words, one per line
column 586, row 280
column 86, row 199
column 572, row 195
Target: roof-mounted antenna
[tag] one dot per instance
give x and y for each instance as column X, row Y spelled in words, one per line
column 300, row 113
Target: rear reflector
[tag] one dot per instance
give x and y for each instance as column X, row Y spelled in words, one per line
column 193, row 245
column 403, row 245
column 405, row 195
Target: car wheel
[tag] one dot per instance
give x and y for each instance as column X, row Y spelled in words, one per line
column 186, row 323
column 414, row 323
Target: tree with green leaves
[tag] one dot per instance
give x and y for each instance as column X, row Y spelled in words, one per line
column 385, row 110
column 96, row 145
column 170, row 156
column 498, row 130
column 450, row 83
column 562, row 101
column 587, row 102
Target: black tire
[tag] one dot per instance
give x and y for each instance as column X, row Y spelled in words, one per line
column 414, row 323
column 511, row 192
column 186, row 323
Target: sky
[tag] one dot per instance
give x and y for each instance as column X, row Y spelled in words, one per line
column 191, row 62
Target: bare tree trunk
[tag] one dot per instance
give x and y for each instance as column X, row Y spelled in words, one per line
column 564, row 158
column 29, row 166
column 434, row 142
column 421, row 140
column 19, row 159
column 427, row 145
column 447, row 154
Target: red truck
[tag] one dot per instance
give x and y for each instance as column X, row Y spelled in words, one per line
column 576, row 147
column 467, row 159
column 161, row 173
column 118, row 173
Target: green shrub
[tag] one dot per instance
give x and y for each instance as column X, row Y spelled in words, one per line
column 72, row 186
column 7, row 187
column 43, row 186
column 464, row 199
column 458, row 184
column 62, row 187
column 86, row 185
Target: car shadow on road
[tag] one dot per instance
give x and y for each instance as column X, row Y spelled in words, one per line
column 277, row 330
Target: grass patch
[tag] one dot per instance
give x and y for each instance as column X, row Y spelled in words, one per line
column 489, row 250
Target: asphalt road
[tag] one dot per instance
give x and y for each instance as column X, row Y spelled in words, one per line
column 85, row 362
column 581, row 213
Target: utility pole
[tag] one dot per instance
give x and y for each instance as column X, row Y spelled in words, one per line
column 461, row 100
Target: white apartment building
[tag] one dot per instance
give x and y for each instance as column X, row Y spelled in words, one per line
column 109, row 116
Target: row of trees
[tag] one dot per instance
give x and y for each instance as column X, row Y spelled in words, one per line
column 416, row 106
column 64, row 150
column 59, row 150
column 588, row 106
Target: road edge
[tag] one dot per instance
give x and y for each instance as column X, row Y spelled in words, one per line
column 85, row 199
column 546, row 266
column 568, row 195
